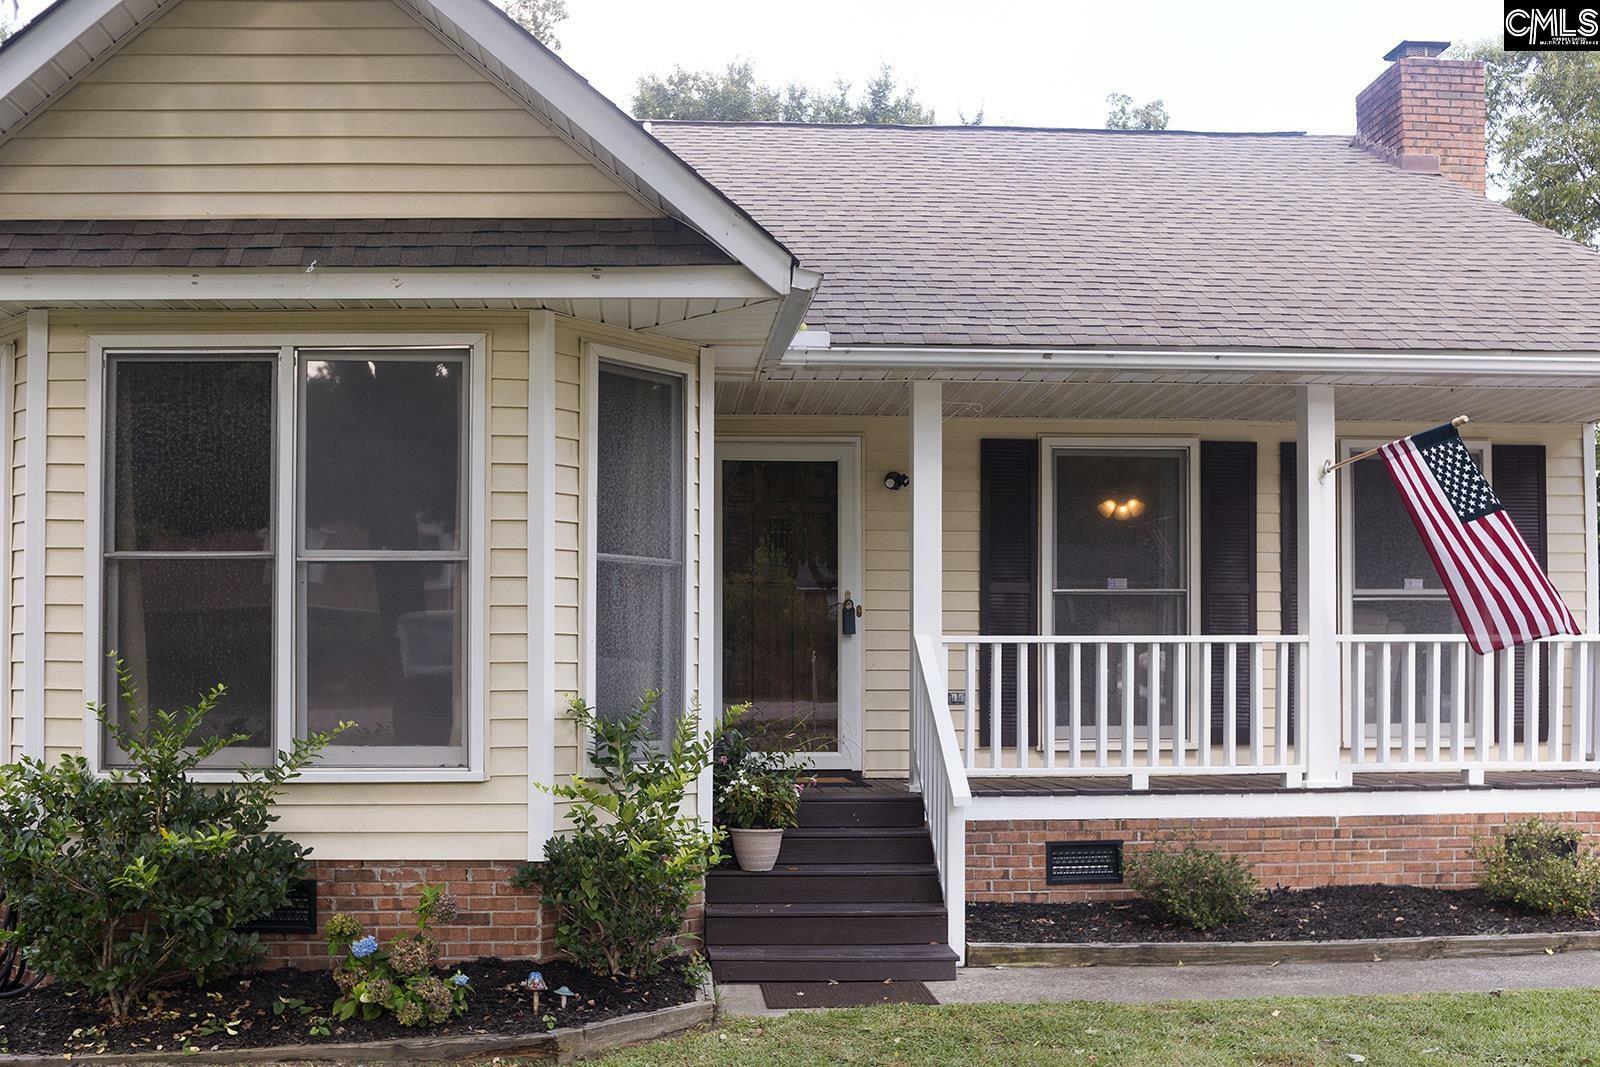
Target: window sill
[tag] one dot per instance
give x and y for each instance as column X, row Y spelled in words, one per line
column 351, row 775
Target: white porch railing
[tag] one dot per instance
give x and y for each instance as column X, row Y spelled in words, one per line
column 1196, row 705
column 1141, row 707
column 1429, row 703
column 937, row 773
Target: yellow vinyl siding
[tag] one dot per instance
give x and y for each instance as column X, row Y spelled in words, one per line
column 448, row 820
column 886, row 543
column 294, row 109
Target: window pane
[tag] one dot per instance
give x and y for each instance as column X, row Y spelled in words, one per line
column 182, row 626
column 639, row 629
column 1117, row 614
column 640, row 464
column 191, row 455
column 384, row 647
column 1119, row 520
column 383, row 452
column 1388, row 553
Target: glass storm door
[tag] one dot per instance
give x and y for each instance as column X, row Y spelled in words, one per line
column 788, row 518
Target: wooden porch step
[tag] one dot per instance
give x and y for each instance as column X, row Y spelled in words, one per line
column 833, row 963
column 820, row 809
column 861, row 844
column 882, row 923
column 908, row 883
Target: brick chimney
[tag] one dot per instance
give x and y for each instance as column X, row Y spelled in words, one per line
column 1427, row 114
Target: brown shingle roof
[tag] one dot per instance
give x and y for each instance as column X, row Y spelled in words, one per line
column 996, row 236
column 375, row 243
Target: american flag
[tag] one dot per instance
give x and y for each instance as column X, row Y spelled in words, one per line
column 1501, row 595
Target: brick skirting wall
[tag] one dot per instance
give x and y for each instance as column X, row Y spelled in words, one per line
column 495, row 919
column 1005, row 860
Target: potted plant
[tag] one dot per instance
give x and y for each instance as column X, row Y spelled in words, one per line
column 758, row 803
column 756, row 792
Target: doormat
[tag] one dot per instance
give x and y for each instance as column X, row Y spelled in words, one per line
column 843, row 994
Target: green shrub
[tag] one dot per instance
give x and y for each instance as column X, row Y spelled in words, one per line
column 1541, row 866
column 400, row 980
column 1196, row 886
column 125, row 881
column 621, row 881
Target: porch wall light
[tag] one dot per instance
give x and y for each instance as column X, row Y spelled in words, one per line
column 895, row 481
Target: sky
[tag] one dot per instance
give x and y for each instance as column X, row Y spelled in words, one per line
column 1222, row 65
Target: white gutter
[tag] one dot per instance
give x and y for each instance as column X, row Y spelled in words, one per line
column 790, row 317
column 1286, row 360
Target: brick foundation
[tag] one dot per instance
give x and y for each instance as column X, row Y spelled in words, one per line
column 495, row 919
column 1005, row 860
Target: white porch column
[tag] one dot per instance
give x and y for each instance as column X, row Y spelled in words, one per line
column 1318, row 584
column 927, row 526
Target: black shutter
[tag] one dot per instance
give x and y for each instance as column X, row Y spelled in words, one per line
column 1008, row 570
column 1228, row 566
column 1519, row 482
column 1289, row 554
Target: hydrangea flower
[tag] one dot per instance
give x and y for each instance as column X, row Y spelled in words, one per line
column 367, row 946
column 459, row 979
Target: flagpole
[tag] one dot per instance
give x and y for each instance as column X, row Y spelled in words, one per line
column 1329, row 466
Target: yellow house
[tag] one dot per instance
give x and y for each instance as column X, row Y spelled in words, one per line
column 362, row 357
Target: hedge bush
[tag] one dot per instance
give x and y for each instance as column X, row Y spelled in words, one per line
column 1541, row 866
column 1196, row 886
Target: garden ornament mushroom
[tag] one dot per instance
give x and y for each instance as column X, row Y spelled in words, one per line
column 535, row 982
column 564, row 993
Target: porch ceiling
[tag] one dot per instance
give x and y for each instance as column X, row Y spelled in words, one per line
column 1104, row 394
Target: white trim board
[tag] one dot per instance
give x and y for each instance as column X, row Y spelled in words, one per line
column 1409, row 364
column 541, row 579
column 612, row 283
column 283, row 347
column 1284, row 804
column 33, row 535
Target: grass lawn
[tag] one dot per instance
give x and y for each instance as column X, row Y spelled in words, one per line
column 1543, row 1028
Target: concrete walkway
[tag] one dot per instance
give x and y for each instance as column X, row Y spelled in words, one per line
column 1026, row 985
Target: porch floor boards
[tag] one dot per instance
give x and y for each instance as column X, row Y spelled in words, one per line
column 1369, row 782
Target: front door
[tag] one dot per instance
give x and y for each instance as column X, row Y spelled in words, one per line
column 789, row 519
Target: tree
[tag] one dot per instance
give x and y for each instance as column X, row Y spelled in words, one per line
column 1544, row 135
column 539, row 17
column 1124, row 116
column 736, row 95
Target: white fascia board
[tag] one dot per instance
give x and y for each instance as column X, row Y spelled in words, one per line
column 785, row 327
column 635, row 149
column 56, row 30
column 621, row 283
column 1424, row 364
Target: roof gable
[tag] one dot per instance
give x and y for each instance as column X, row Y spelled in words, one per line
column 329, row 108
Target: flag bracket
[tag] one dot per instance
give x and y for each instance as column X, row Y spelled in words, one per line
column 1329, row 466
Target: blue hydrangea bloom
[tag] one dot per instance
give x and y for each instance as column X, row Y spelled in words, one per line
column 459, row 979
column 364, row 948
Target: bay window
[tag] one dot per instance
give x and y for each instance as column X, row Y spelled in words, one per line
column 293, row 523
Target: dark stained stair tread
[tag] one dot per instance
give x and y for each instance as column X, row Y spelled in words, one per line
column 822, row 963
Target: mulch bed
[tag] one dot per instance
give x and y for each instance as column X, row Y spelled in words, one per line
column 237, row 1012
column 1330, row 913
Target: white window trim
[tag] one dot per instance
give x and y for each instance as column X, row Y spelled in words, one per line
column 593, row 355
column 1348, row 447
column 1047, row 519
column 285, row 344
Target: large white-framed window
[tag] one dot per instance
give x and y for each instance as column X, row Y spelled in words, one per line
column 640, row 496
column 1389, row 587
column 302, row 519
column 1119, row 556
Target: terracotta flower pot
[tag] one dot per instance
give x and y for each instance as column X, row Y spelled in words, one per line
column 756, row 850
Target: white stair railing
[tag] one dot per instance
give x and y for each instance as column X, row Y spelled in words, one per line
column 937, row 772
